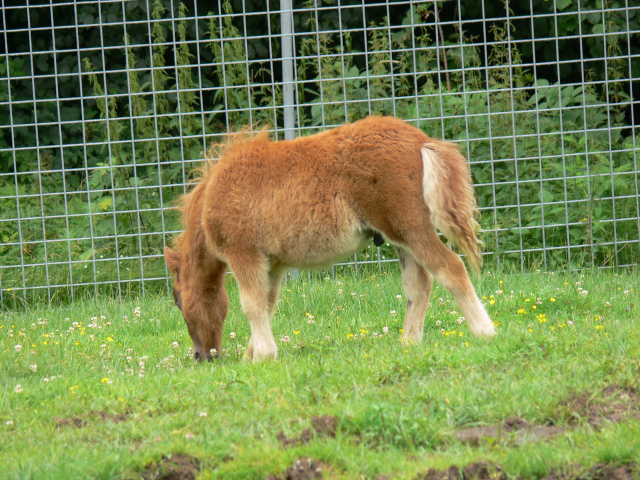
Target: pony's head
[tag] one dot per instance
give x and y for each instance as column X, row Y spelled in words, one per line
column 199, row 293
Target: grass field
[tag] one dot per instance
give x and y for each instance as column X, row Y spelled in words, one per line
column 107, row 389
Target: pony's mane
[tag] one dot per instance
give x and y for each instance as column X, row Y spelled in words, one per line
column 212, row 157
column 231, row 141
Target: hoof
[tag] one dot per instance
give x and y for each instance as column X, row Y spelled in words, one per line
column 486, row 332
column 258, row 353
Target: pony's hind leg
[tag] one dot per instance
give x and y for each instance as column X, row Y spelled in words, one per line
column 252, row 274
column 275, row 282
column 417, row 283
column 449, row 271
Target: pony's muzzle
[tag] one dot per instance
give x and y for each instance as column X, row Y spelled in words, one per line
column 201, row 356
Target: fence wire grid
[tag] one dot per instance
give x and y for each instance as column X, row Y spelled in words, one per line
column 107, row 106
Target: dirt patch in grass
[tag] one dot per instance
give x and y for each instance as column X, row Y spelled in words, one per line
column 613, row 404
column 302, row 469
column 174, row 467
column 101, row 416
column 473, row 471
column 601, row 471
column 512, row 431
column 324, row 426
column 491, row 471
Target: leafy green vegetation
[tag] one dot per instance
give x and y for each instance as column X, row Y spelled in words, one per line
column 108, row 389
column 553, row 162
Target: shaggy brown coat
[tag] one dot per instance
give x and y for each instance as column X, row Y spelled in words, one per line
column 266, row 206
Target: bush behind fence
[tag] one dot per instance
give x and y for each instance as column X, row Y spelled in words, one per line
column 99, row 141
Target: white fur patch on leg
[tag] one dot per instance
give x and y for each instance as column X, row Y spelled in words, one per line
column 417, row 283
column 262, row 344
column 477, row 318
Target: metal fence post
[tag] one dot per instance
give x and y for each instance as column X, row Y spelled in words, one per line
column 286, row 27
column 286, row 23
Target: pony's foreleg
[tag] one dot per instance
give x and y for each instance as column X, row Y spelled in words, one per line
column 417, row 283
column 449, row 271
column 252, row 275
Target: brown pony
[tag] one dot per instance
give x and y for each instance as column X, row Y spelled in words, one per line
column 265, row 207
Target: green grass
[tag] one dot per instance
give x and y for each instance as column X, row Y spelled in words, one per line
column 96, row 391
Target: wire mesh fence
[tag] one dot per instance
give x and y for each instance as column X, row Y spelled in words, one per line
column 107, row 106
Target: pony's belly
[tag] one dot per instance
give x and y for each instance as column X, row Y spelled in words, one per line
column 321, row 251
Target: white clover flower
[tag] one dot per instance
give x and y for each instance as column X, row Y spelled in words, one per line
column 18, row 388
column 385, row 330
column 18, row 348
column 232, row 335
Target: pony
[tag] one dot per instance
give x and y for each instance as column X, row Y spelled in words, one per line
column 267, row 206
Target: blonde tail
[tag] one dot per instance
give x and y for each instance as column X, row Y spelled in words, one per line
column 448, row 192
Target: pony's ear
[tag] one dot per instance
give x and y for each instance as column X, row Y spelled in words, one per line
column 172, row 258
